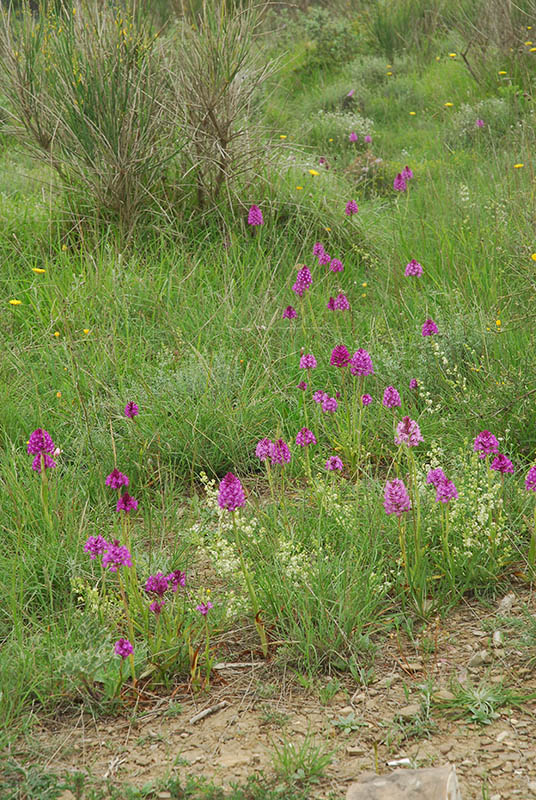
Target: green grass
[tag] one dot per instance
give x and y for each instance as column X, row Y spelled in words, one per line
column 189, row 326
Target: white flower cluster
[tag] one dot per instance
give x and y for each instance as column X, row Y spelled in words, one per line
column 454, row 379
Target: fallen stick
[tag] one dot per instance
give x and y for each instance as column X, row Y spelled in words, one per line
column 208, row 711
column 234, row 664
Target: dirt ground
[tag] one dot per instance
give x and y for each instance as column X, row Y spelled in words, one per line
column 265, row 706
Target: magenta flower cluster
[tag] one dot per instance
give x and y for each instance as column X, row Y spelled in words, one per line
column 413, row 269
column 304, row 280
column 391, row 398
column 429, row 328
column 305, row 437
column 231, row 494
column 131, row 410
column 396, row 498
column 255, row 216
column 408, row 432
column 445, row 488
column 339, row 303
column 40, row 444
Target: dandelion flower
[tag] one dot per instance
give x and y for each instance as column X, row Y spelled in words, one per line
column 86, row 330
column 15, row 302
column 412, row 113
column 313, row 172
column 533, row 256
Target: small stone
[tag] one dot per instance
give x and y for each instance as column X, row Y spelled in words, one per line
column 445, row 748
column 499, row 762
column 388, row 681
column 411, row 710
column 497, row 639
column 505, row 605
column 443, row 694
column 479, row 658
column 347, row 710
column 502, row 736
column 405, row 783
column 355, row 750
column 532, row 787
column 164, row 795
column 495, row 797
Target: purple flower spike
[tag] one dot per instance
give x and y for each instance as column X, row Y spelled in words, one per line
column 331, row 304
column 157, row 584
column 131, row 410
column 116, row 556
column 480, row 123
column 336, row 265
column 341, row 303
column 399, row 183
column 304, row 280
column 446, row 491
column 176, row 579
column 116, row 479
column 318, row 249
column 361, row 363
column 324, row 258
column 502, row 463
column 396, row 498
column 413, row 384
column 413, row 269
column 485, row 444
column 48, row 462
column 126, row 503
column 231, row 495
column 290, row 313
column 366, row 399
column 39, row 442
column 351, row 93
column 340, row 357
column 391, row 398
column 351, row 208
column 353, row 137
column 302, row 386
column 319, row 397
column 329, row 406
column 334, row 463
column 305, row 437
column 280, row 453
column 367, row 139
column 530, row 480
column 157, row 606
column 429, row 328
column 204, row 608
column 436, row 476
column 406, row 173
column 123, row 648
column 307, row 361
column 255, row 216
column 95, row 546
column 263, row 449
column 408, row 432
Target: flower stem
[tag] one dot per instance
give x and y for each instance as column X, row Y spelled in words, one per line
column 251, row 591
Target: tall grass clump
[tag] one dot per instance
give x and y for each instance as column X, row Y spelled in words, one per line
column 218, row 71
column 87, row 93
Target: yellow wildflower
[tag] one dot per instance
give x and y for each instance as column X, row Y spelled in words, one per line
column 448, row 105
column 364, row 285
column 86, row 330
column 533, row 256
column 412, row 113
column 15, row 302
column 330, row 140
column 64, row 247
column 282, row 136
column 58, row 395
column 328, row 230
column 299, row 187
column 532, row 50
column 389, row 73
column 527, row 43
column 502, row 72
column 498, row 323
column 452, row 55
column 518, row 166
column 38, row 270
column 313, row 172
